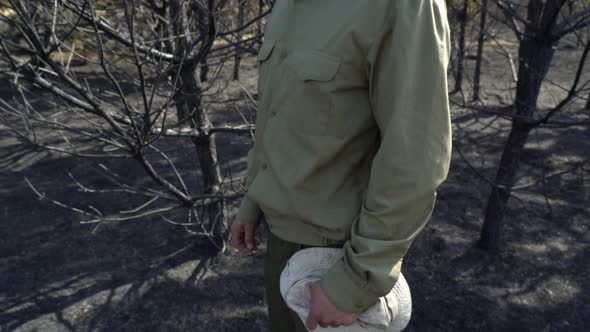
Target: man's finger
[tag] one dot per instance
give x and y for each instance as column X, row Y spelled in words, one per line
column 334, row 325
column 348, row 321
column 249, row 236
column 310, row 322
column 237, row 236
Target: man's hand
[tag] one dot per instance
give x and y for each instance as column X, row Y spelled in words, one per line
column 324, row 313
column 243, row 235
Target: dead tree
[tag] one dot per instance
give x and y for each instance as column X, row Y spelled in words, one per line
column 460, row 61
column 238, row 51
column 153, row 46
column 480, row 44
column 538, row 32
column 259, row 24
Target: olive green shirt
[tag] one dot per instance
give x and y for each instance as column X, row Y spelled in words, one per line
column 353, row 133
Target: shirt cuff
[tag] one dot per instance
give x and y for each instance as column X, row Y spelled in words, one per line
column 346, row 290
column 249, row 212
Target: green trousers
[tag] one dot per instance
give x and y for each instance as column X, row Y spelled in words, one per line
column 278, row 252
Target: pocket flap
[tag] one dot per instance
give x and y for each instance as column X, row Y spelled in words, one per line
column 265, row 50
column 314, row 65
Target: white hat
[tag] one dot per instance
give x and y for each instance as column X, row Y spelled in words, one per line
column 391, row 313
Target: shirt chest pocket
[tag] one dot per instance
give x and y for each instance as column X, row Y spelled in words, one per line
column 309, row 81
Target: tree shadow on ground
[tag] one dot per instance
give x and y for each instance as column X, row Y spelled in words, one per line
column 51, row 265
column 179, row 305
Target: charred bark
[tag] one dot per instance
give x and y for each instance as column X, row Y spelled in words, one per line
column 188, row 97
column 535, row 53
column 238, row 52
column 461, row 48
column 480, row 43
column 259, row 25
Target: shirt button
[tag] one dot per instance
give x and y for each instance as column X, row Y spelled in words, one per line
column 264, row 166
column 273, row 113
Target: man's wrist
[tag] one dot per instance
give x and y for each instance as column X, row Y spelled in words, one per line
column 249, row 212
column 347, row 291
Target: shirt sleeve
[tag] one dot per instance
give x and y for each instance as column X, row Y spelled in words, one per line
column 407, row 72
column 249, row 211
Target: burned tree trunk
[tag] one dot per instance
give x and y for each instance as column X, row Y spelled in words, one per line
column 259, row 24
column 238, row 52
column 535, row 53
column 203, row 29
column 480, row 42
column 205, row 149
column 188, row 96
column 505, row 177
column 461, row 48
